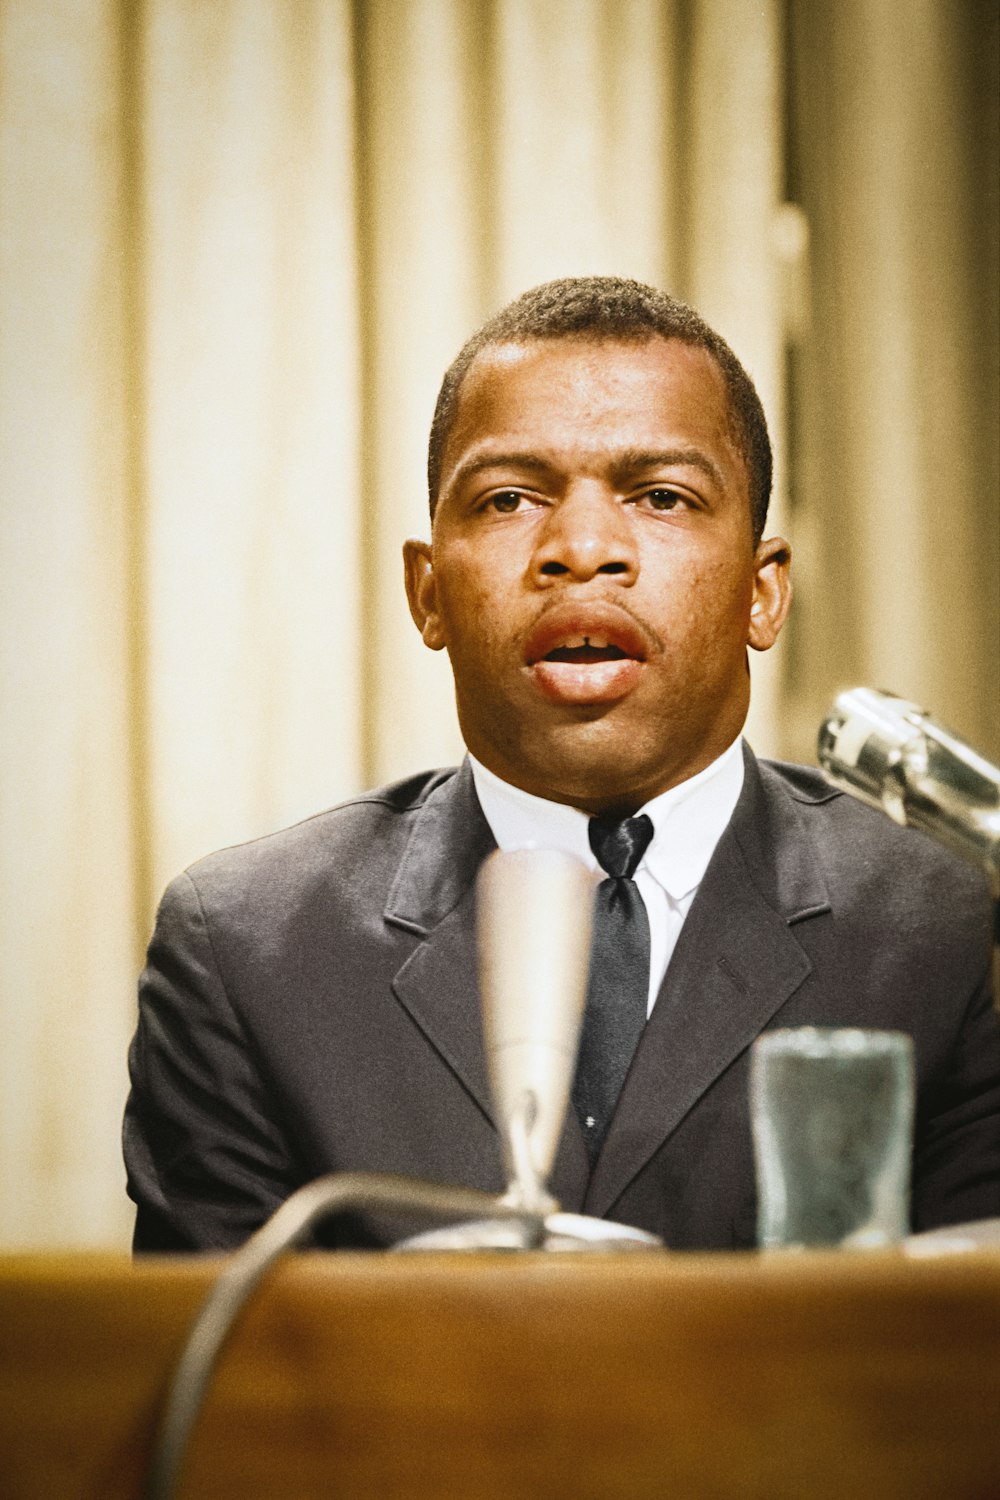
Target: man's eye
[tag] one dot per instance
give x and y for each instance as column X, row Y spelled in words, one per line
column 506, row 502
column 663, row 499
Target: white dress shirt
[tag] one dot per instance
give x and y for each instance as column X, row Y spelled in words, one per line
column 688, row 822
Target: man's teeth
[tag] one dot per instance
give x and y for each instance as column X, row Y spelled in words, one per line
column 581, row 649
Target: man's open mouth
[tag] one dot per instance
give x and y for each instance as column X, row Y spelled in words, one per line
column 587, row 650
column 585, row 656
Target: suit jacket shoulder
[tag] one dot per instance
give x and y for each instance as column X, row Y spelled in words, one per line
column 901, row 876
column 368, row 832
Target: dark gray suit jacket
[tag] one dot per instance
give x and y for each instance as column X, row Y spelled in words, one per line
column 310, row 1005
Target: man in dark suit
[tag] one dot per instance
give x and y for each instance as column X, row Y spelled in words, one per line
column 599, row 475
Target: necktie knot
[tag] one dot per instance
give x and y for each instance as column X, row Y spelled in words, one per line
column 620, row 843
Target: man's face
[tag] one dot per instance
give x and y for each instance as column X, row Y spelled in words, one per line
column 592, row 572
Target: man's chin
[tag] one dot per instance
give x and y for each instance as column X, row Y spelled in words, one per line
column 590, row 761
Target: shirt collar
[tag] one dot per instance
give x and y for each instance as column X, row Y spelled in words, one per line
column 688, row 821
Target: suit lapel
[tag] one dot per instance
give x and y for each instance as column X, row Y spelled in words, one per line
column 736, row 963
column 433, row 896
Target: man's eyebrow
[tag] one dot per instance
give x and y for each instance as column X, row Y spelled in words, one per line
column 634, row 460
column 530, row 462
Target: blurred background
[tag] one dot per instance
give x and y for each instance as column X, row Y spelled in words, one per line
column 240, row 240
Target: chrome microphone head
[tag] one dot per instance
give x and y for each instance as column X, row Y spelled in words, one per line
column 891, row 754
column 535, row 912
column 862, row 742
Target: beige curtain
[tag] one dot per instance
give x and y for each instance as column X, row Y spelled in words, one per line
column 896, row 436
column 239, row 242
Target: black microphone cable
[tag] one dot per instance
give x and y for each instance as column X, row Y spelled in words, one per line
column 288, row 1226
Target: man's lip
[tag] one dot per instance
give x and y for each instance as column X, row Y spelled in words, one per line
column 586, row 684
column 565, row 623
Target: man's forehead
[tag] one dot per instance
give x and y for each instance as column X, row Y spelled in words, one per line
column 529, row 369
column 627, row 382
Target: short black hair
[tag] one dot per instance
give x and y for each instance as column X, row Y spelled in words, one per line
column 612, row 309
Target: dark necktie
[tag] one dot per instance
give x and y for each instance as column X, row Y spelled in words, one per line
column 618, row 988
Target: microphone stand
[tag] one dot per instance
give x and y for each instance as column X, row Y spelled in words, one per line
column 534, row 917
column 526, row 1201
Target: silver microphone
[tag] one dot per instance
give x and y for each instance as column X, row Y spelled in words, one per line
column 891, row 754
column 534, row 914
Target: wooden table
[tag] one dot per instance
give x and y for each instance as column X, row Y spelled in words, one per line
column 735, row 1377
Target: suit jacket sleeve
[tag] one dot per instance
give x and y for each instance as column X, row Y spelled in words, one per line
column 206, row 1157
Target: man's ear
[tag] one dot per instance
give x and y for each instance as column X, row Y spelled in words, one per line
column 772, row 592
column 421, row 592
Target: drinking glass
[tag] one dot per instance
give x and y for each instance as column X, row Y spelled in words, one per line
column 832, row 1118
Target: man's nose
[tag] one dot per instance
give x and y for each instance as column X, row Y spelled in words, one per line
column 586, row 532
